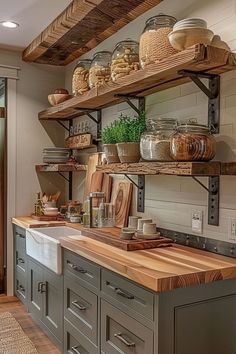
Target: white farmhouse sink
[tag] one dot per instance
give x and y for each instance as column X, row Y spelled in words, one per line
column 43, row 244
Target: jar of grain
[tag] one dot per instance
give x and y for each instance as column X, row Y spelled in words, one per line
column 154, row 43
column 125, row 59
column 100, row 71
column 193, row 142
column 155, row 142
column 80, row 77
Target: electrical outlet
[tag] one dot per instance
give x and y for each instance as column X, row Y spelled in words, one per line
column 232, row 229
column 197, row 221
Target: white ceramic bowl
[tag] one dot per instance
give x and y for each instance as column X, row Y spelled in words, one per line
column 198, row 22
column 182, row 39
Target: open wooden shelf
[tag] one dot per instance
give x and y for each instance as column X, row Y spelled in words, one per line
column 81, row 27
column 154, row 77
column 60, row 168
column 164, row 168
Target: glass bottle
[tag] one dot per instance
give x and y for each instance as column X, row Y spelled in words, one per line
column 155, row 142
column 125, row 59
column 154, row 43
column 193, row 142
column 100, row 71
column 80, row 77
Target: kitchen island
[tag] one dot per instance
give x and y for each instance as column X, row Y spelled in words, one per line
column 174, row 300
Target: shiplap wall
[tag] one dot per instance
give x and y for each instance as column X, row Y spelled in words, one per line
column 170, row 200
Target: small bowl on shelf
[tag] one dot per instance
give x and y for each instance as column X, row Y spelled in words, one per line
column 56, row 98
column 187, row 37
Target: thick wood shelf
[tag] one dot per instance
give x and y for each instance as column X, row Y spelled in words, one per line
column 154, row 77
column 60, row 168
column 164, row 168
column 81, row 27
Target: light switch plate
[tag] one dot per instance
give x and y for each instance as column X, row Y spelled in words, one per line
column 197, row 221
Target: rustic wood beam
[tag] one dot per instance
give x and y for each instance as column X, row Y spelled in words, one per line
column 82, row 26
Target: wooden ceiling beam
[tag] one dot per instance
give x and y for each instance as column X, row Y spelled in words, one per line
column 82, row 26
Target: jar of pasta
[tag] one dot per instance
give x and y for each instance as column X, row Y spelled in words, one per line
column 100, row 71
column 125, row 59
column 154, row 42
column 193, row 142
column 80, row 83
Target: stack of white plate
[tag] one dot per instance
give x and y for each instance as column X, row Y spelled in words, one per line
column 190, row 23
column 56, row 155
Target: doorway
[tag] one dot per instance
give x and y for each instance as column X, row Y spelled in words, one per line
column 2, row 181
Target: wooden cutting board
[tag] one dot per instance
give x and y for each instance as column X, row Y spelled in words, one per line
column 121, row 197
column 93, row 160
column 107, row 187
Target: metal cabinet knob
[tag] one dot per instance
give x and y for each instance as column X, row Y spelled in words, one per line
column 21, row 260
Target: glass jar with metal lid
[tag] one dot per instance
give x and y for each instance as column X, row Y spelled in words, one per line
column 125, row 59
column 155, row 142
column 154, row 42
column 193, row 142
column 80, row 77
column 100, row 71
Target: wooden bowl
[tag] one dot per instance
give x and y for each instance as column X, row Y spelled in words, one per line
column 184, row 38
column 56, row 98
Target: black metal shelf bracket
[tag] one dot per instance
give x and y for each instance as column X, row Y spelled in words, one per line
column 213, row 198
column 140, row 191
column 212, row 92
column 69, row 180
column 63, row 125
column 128, row 98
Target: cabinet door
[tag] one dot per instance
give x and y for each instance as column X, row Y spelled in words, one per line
column 52, row 290
column 35, row 280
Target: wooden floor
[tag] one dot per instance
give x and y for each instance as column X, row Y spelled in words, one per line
column 40, row 340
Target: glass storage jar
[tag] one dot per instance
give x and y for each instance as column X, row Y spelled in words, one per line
column 125, row 59
column 154, row 43
column 155, row 142
column 100, row 71
column 193, row 142
column 80, row 77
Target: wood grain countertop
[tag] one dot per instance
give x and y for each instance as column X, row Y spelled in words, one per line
column 159, row 269
column 27, row 222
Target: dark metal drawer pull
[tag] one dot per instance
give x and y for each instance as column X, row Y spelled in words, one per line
column 75, row 350
column 79, row 306
column 21, row 288
column 123, row 340
column 21, row 236
column 77, row 268
column 20, row 260
column 124, row 294
column 40, row 287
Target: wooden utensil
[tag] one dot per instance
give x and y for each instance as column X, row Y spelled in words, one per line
column 121, row 197
column 93, row 160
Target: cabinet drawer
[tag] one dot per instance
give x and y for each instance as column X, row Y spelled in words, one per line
column 121, row 334
column 20, row 260
column 21, row 286
column 81, row 308
column 20, row 242
column 75, row 342
column 128, row 295
column 81, row 269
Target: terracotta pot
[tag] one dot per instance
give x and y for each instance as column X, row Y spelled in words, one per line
column 128, row 152
column 111, row 153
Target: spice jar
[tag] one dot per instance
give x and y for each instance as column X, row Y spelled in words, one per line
column 193, row 142
column 154, row 43
column 125, row 59
column 155, row 142
column 80, row 77
column 100, row 71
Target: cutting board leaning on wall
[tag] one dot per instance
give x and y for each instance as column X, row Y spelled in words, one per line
column 121, row 197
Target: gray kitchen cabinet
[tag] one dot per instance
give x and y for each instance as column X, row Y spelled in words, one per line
column 45, row 300
column 20, row 265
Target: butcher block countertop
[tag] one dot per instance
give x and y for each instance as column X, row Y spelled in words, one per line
column 159, row 269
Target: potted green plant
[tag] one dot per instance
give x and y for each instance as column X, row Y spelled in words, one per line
column 128, row 132
column 109, row 143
